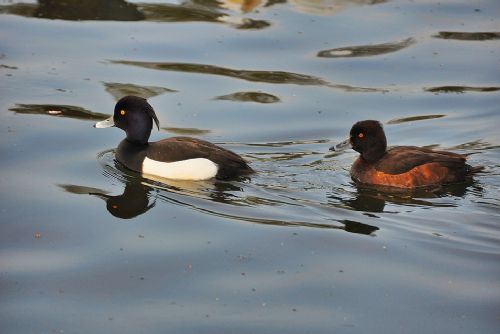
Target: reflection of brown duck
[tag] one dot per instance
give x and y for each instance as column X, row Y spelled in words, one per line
column 375, row 199
column 406, row 167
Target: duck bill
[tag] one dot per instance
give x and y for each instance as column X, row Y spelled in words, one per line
column 342, row 146
column 107, row 123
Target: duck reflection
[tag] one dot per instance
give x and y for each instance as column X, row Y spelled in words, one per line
column 135, row 200
column 138, row 197
column 375, row 199
column 140, row 194
column 357, row 227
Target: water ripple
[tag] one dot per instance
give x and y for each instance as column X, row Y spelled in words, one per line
column 258, row 97
column 460, row 89
column 119, row 90
column 468, row 36
column 271, row 77
column 58, row 110
column 366, row 50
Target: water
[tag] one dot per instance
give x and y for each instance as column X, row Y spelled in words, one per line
column 87, row 246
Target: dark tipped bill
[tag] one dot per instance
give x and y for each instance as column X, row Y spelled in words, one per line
column 107, row 123
column 342, row 146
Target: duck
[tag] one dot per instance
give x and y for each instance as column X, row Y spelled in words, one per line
column 175, row 158
column 407, row 167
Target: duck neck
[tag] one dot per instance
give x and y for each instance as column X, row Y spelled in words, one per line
column 373, row 156
column 139, row 134
column 375, row 152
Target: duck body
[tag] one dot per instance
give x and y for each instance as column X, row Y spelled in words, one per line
column 181, row 158
column 402, row 166
column 177, row 158
column 411, row 167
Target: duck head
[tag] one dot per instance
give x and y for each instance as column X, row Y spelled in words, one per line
column 135, row 116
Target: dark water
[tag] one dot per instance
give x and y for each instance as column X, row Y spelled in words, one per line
column 88, row 247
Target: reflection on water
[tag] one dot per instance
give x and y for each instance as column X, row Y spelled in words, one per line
column 413, row 118
column 260, row 200
column 272, row 77
column 258, row 97
column 244, row 6
column 58, row 111
column 330, row 7
column 120, row 10
column 119, row 90
column 460, row 89
column 238, row 200
column 476, row 145
column 116, row 10
column 366, row 50
column 186, row 11
column 134, row 201
column 375, row 198
column 187, row 131
column 468, row 36
column 138, row 252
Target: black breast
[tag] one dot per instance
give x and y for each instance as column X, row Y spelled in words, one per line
column 131, row 155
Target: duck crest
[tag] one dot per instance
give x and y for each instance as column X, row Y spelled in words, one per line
column 150, row 111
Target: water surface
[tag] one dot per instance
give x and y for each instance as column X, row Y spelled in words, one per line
column 88, row 246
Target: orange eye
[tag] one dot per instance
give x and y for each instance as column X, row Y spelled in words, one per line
column 122, row 112
column 361, row 135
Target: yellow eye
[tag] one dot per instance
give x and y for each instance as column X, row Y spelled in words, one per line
column 361, row 135
column 122, row 112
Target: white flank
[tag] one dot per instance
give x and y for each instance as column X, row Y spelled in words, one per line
column 191, row 169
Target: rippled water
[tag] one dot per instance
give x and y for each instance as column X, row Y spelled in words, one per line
column 88, row 246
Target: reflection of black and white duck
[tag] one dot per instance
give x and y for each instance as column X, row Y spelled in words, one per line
column 177, row 158
column 133, row 202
